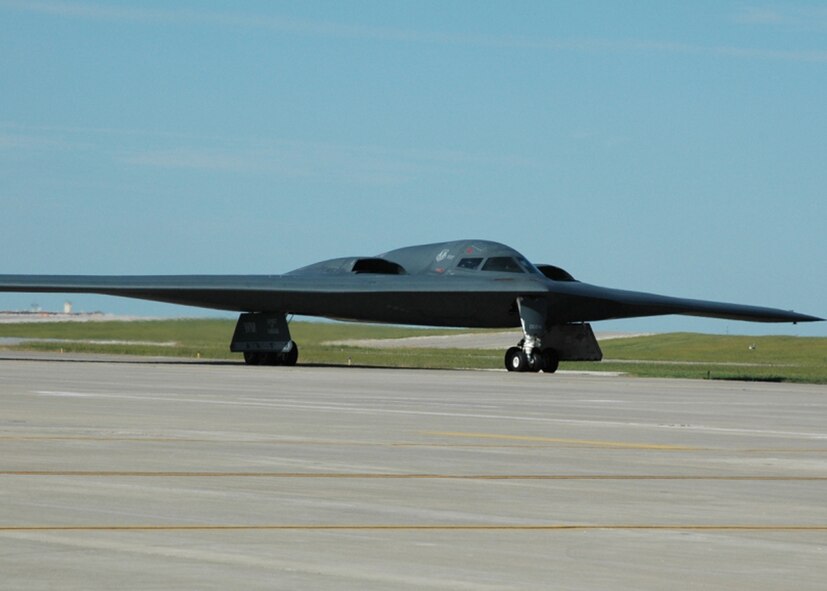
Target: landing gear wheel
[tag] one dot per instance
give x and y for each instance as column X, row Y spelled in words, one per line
column 550, row 360
column 292, row 356
column 516, row 360
column 271, row 359
column 536, row 361
column 253, row 358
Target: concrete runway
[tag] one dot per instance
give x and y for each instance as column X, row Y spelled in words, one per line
column 165, row 475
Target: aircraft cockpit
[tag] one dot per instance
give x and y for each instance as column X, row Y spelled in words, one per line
column 501, row 264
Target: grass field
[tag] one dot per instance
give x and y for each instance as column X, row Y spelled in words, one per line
column 685, row 355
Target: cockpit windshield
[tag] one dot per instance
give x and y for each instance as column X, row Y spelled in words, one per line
column 498, row 264
column 469, row 263
column 528, row 266
column 503, row 265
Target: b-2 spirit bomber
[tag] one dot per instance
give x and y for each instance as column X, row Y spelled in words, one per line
column 465, row 283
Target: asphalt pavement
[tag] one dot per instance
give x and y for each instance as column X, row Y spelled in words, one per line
column 158, row 474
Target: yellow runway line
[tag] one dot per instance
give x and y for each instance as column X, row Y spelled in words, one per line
column 538, row 442
column 423, row 527
column 398, row 476
column 24, row 437
column 223, row 440
column 138, row 439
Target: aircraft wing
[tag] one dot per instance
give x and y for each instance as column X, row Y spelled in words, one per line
column 424, row 300
column 581, row 302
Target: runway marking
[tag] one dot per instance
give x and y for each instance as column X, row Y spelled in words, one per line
column 353, row 409
column 103, row 438
column 423, row 527
column 541, row 442
column 587, row 442
column 779, row 450
column 399, row 476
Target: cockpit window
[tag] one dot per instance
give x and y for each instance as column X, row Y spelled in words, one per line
column 502, row 264
column 467, row 263
column 528, row 266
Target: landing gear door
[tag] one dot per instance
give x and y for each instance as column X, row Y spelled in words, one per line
column 573, row 342
column 265, row 332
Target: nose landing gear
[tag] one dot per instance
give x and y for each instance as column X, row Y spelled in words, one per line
column 546, row 360
column 543, row 345
column 529, row 354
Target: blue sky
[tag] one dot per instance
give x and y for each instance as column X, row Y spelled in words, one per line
column 670, row 147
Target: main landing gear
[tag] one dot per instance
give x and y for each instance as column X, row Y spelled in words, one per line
column 264, row 338
column 270, row 358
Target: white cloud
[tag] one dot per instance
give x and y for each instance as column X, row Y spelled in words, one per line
column 759, row 16
column 318, row 161
column 324, row 161
column 811, row 17
column 791, row 17
column 15, row 141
